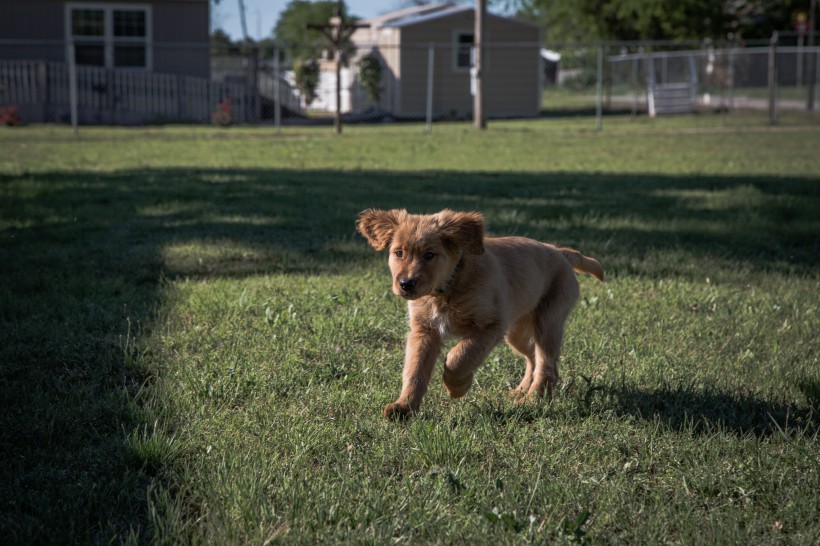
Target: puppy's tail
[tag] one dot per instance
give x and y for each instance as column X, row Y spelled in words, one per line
column 581, row 263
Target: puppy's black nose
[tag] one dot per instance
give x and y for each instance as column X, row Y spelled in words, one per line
column 407, row 284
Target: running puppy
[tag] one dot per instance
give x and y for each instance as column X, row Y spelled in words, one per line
column 481, row 290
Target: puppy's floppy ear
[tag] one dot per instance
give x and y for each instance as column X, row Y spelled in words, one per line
column 462, row 230
column 378, row 226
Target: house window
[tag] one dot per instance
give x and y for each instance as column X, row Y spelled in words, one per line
column 463, row 50
column 110, row 35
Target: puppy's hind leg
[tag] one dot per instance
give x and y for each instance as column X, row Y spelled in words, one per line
column 550, row 317
column 520, row 340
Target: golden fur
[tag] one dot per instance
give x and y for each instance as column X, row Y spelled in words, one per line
column 480, row 289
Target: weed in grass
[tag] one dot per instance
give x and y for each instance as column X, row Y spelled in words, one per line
column 151, row 451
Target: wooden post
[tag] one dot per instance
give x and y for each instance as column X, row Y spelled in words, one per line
column 812, row 72
column 479, row 116
column 338, row 32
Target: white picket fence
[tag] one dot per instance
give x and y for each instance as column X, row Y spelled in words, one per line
column 41, row 90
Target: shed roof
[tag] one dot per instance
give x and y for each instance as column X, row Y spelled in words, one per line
column 435, row 12
column 423, row 17
column 406, row 13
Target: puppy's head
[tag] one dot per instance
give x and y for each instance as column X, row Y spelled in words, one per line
column 424, row 248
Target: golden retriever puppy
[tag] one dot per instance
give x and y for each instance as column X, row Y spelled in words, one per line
column 479, row 289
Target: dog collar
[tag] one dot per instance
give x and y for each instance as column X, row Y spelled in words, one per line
column 447, row 285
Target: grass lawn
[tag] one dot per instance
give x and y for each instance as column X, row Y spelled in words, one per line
column 195, row 346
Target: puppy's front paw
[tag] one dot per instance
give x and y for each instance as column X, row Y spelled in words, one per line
column 398, row 412
column 518, row 394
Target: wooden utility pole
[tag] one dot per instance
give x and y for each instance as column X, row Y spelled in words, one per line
column 812, row 75
column 479, row 116
column 337, row 32
column 242, row 20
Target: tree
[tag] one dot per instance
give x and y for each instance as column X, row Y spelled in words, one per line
column 591, row 20
column 241, row 17
column 221, row 44
column 291, row 29
column 306, row 76
column 370, row 75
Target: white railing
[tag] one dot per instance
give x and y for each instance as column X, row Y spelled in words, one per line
column 42, row 89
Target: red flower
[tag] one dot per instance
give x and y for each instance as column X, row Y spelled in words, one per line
column 10, row 115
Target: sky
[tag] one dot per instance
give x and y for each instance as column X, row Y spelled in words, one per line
column 261, row 15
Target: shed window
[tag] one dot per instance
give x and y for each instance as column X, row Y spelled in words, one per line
column 110, row 35
column 464, row 50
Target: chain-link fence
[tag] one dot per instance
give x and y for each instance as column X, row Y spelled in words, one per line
column 765, row 79
column 63, row 82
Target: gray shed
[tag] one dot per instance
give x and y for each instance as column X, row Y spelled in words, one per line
column 512, row 75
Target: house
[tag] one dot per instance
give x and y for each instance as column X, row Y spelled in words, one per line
column 403, row 40
column 137, row 61
column 161, row 36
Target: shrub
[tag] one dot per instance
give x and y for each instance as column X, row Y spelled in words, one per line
column 306, row 76
column 370, row 74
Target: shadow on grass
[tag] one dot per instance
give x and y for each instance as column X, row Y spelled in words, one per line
column 83, row 255
column 706, row 411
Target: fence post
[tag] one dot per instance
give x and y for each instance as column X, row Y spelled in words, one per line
column 42, row 90
column 799, row 68
column 479, row 65
column 650, row 85
column 254, row 110
column 72, row 87
column 599, row 88
column 431, row 57
column 178, row 104
column 810, row 106
column 635, row 87
column 732, row 54
column 277, row 93
column 693, row 81
column 773, row 79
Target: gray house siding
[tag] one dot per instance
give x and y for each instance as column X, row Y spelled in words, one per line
column 31, row 20
column 36, row 30
column 181, row 38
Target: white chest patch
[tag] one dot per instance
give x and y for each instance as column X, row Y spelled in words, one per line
column 441, row 321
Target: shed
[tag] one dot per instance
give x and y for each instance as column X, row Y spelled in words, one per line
column 403, row 39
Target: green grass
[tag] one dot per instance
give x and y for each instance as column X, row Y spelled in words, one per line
column 195, row 346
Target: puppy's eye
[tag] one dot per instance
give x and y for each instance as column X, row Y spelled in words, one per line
column 429, row 256
column 399, row 254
